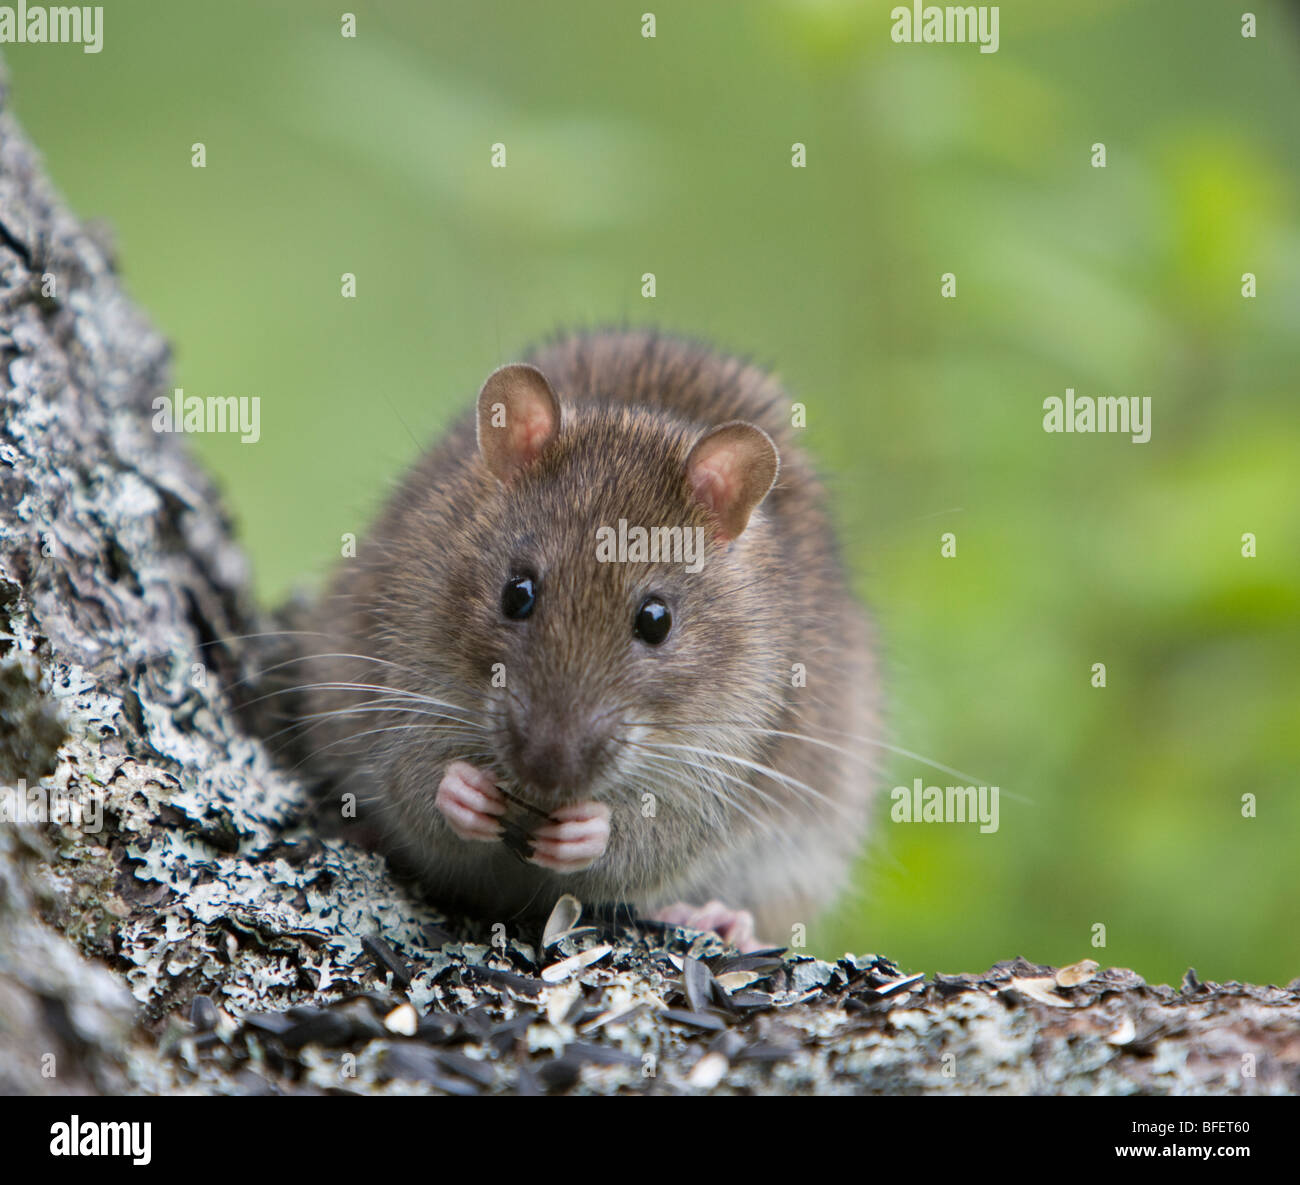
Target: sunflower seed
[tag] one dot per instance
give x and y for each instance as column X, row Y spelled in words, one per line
column 1042, row 989
column 708, row 1071
column 421, row 1064
column 438, row 1028
column 1124, row 1032
column 600, row 1055
column 728, row 1043
column 468, row 1067
column 273, row 1023
column 506, row 1034
column 564, row 916
column 731, row 963
column 697, row 982
column 519, row 802
column 898, row 985
column 733, row 981
column 516, row 840
column 403, row 1020
column 610, row 1018
column 328, row 1027
column 203, row 1014
column 559, row 972
column 698, row 1020
column 386, row 959
column 524, row 985
column 766, row 1051
column 560, row 1072
column 1077, row 973
column 560, row 1000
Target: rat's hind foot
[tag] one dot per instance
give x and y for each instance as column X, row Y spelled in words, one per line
column 572, row 838
column 470, row 802
column 735, row 926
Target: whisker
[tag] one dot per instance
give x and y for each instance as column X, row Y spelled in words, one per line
column 749, row 785
column 342, row 685
column 875, row 742
column 766, row 770
column 673, row 763
column 406, row 728
column 376, row 707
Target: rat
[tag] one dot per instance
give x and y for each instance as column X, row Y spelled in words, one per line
column 600, row 641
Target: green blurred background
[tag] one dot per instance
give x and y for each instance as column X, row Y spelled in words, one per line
column 672, row 155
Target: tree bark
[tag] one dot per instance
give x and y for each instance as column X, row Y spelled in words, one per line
column 203, row 938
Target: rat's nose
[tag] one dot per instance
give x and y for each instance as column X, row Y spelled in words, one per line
column 556, row 749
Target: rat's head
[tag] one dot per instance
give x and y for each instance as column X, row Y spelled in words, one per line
column 618, row 590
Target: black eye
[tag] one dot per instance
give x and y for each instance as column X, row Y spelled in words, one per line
column 653, row 621
column 518, row 597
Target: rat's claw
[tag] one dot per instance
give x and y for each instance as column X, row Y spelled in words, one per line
column 470, row 802
column 572, row 838
column 735, row 926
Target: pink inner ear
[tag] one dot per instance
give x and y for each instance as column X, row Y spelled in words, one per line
column 713, row 480
column 532, row 433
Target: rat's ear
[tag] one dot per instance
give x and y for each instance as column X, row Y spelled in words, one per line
column 518, row 416
column 730, row 470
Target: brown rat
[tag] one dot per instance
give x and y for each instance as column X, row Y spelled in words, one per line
column 529, row 710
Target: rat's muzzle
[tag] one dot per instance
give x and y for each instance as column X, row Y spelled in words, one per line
column 557, row 750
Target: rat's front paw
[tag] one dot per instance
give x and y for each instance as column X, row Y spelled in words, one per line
column 470, row 802
column 735, row 926
column 572, row 838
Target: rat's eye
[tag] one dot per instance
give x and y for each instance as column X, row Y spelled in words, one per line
column 653, row 621
column 518, row 597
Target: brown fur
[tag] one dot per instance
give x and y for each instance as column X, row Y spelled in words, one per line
column 424, row 593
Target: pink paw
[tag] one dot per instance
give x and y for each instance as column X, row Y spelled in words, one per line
column 735, row 926
column 572, row 838
column 470, row 802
